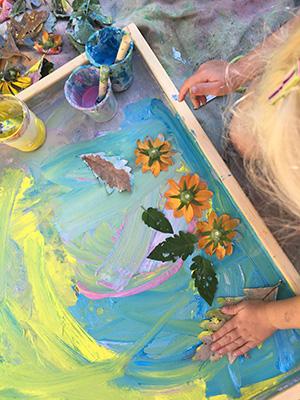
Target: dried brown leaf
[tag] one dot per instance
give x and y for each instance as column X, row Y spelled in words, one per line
column 29, row 26
column 105, row 170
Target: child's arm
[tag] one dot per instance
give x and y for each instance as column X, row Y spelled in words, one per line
column 253, row 322
column 219, row 78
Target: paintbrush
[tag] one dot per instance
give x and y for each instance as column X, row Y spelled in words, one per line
column 103, row 82
column 124, row 46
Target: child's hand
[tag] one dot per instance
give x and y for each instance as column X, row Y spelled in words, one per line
column 249, row 327
column 214, row 77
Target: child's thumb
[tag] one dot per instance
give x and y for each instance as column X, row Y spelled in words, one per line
column 233, row 309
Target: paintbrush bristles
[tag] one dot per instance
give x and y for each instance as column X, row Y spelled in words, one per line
column 103, row 81
column 124, row 46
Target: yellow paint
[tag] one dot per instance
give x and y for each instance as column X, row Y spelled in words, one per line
column 47, row 354
column 20, row 127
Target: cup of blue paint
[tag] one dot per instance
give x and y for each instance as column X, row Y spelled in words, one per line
column 81, row 91
column 102, row 48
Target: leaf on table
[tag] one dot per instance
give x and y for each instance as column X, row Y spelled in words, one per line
column 174, row 247
column 265, row 293
column 203, row 353
column 157, row 220
column 20, row 6
column 80, row 29
column 10, row 49
column 5, row 10
column 29, row 26
column 47, row 68
column 86, row 18
column 61, row 8
column 113, row 171
column 50, row 23
column 205, row 278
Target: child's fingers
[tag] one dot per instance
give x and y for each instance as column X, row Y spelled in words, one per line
column 235, row 345
column 184, row 90
column 243, row 349
column 195, row 101
column 234, row 308
column 206, row 88
column 226, row 328
column 187, row 85
column 202, row 100
column 225, row 340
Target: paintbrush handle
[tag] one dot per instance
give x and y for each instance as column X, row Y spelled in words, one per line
column 103, row 81
column 124, row 46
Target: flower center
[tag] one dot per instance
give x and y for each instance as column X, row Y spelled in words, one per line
column 216, row 235
column 154, row 153
column 186, row 196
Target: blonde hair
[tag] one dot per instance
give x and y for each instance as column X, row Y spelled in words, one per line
column 274, row 163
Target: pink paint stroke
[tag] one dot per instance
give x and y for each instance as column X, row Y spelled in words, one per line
column 130, row 292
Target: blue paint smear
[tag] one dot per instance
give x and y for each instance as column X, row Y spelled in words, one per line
column 120, row 323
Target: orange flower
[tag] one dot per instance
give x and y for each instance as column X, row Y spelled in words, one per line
column 50, row 44
column 154, row 155
column 188, row 198
column 216, row 234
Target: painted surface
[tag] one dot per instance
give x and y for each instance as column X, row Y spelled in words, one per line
column 131, row 331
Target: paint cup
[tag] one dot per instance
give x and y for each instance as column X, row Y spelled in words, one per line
column 81, row 91
column 20, row 127
column 102, row 48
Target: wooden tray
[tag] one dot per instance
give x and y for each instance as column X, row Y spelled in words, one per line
column 212, row 161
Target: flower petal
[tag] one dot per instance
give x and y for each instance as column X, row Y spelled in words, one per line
column 231, row 224
column 203, row 195
column 173, row 203
column 229, row 249
column 220, row 252
column 193, row 180
column 142, row 159
column 142, row 145
column 210, row 250
column 145, row 168
column 231, row 235
column 178, row 213
column 155, row 168
column 157, row 142
column 188, row 213
column 203, row 241
column 174, row 185
column 211, row 218
column 197, row 211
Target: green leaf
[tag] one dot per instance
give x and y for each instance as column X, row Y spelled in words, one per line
column 174, row 247
column 47, row 68
column 205, row 278
column 157, row 220
column 19, row 7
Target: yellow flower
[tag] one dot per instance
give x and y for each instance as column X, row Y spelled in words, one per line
column 12, row 82
column 216, row 234
column 188, row 198
column 154, row 155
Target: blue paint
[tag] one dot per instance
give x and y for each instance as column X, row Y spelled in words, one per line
column 164, row 360
column 102, row 48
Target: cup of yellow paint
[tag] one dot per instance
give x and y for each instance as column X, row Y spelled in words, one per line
column 20, row 127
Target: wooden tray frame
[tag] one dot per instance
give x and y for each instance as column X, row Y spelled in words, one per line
column 170, row 91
